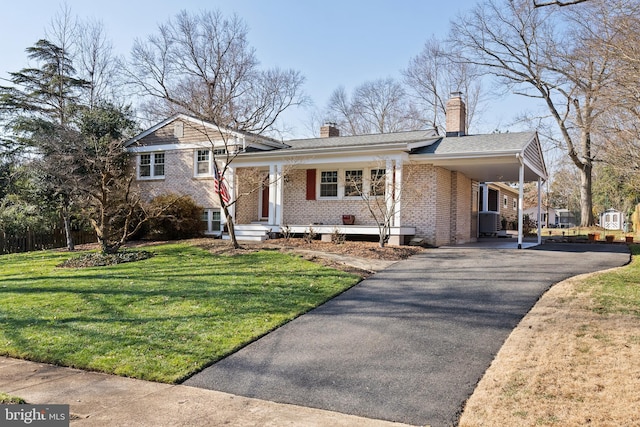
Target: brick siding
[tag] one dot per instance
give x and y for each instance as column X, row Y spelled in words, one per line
column 179, row 179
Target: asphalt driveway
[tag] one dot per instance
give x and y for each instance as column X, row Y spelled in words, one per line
column 410, row 343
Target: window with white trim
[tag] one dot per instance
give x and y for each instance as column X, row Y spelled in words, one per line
column 353, row 183
column 211, row 221
column 377, row 182
column 203, row 162
column 329, row 183
column 151, row 166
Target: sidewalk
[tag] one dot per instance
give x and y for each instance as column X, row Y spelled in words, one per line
column 105, row 400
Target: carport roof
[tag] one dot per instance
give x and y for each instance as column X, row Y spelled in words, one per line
column 488, row 158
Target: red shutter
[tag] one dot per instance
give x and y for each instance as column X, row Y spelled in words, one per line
column 311, row 184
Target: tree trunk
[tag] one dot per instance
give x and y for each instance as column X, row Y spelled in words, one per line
column 586, row 199
column 231, row 228
column 381, row 240
column 67, row 228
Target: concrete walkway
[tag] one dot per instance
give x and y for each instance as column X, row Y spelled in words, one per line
column 106, row 400
column 410, row 343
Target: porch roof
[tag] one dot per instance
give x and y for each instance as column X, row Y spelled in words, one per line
column 484, row 158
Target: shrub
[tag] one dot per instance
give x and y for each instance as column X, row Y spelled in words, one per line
column 309, row 235
column 337, row 237
column 174, row 217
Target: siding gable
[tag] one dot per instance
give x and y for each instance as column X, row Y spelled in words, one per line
column 172, row 134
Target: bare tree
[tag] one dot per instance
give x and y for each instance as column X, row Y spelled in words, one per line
column 557, row 3
column 623, row 95
column 379, row 106
column 96, row 63
column 381, row 194
column 202, row 64
column 434, row 74
column 225, row 147
column 547, row 55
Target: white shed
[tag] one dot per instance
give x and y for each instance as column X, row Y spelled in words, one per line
column 612, row 219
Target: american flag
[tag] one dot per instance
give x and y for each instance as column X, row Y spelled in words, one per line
column 218, row 184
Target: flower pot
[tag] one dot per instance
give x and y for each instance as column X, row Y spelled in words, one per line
column 348, row 219
column 628, row 239
column 593, row 237
column 609, row 238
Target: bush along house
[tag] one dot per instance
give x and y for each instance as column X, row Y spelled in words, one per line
column 419, row 184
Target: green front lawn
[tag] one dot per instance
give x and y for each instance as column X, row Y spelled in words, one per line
column 618, row 291
column 159, row 319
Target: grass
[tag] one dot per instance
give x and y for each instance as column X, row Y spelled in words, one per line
column 572, row 361
column 618, row 292
column 160, row 319
column 7, row 399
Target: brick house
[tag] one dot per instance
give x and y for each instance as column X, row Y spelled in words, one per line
column 430, row 184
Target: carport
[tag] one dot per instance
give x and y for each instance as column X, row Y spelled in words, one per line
column 508, row 158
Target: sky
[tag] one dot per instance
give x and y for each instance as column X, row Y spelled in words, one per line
column 332, row 43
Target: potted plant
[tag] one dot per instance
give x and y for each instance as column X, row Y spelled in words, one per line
column 348, row 219
column 609, row 238
column 628, row 239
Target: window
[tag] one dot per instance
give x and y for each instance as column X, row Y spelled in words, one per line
column 352, row 183
column 329, row 184
column 378, row 182
column 202, row 162
column 151, row 166
column 211, row 221
column 346, row 183
column 158, row 164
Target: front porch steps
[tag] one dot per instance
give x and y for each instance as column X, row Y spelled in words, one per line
column 250, row 232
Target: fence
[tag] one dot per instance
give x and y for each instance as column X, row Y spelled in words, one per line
column 31, row 241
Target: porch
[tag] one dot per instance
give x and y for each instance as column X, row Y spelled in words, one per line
column 262, row 231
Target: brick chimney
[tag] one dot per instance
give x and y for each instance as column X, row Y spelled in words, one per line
column 456, row 115
column 329, row 130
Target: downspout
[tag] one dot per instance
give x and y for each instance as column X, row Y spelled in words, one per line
column 520, row 201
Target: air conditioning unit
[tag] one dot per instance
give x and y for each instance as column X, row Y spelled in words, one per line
column 489, row 223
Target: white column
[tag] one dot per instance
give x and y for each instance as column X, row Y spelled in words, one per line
column 539, row 210
column 398, row 194
column 273, row 192
column 388, row 185
column 279, row 194
column 231, row 187
column 520, row 204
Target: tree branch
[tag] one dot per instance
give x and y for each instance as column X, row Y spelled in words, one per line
column 557, row 3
